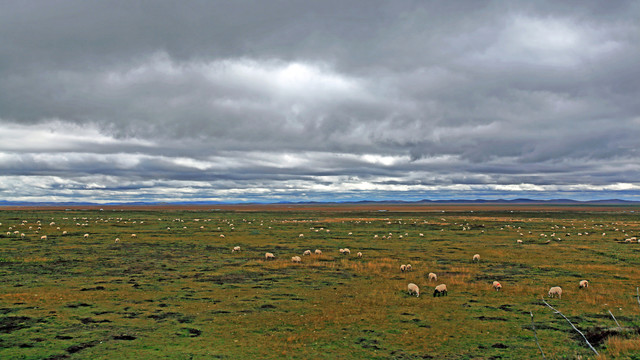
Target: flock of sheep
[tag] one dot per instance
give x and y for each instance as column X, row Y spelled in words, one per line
column 412, row 288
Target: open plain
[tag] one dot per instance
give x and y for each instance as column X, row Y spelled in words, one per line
column 163, row 282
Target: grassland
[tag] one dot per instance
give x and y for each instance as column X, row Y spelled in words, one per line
column 176, row 291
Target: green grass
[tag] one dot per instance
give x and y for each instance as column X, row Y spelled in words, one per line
column 180, row 293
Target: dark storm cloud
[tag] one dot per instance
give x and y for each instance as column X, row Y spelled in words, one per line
column 256, row 100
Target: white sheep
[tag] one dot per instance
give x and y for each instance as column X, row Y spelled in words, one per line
column 235, row 249
column 433, row 277
column 359, row 254
column 440, row 290
column 221, row 235
column 43, row 237
column 269, row 256
column 134, row 235
column 413, row 289
column 306, row 252
column 296, row 259
column 496, row 285
column 555, row 291
column 86, row 236
column 301, row 235
column 318, row 252
column 476, row 257
column 346, row 251
column 409, row 268
column 584, row 284
column 518, row 241
column 403, row 268
column 117, row 240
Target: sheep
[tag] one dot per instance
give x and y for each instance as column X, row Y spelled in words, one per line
column 476, row 257
column 306, row 252
column 518, row 241
column 433, row 277
column 409, row 268
column 555, row 291
column 403, row 268
column 359, row 254
column 440, row 290
column 413, row 289
column 301, row 235
column 346, row 251
column 235, row 248
column 296, row 259
column 64, row 232
column 496, row 285
column 134, row 235
column 43, row 237
column 584, row 284
column 269, row 256
column 221, row 235
column 117, row 240
column 318, row 252
column 86, row 236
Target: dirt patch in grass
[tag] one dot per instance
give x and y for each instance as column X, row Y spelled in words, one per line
column 598, row 335
column 10, row 324
column 76, row 348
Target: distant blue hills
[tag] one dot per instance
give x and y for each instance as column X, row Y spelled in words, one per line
column 520, row 201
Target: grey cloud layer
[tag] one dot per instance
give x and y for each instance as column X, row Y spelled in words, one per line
column 214, row 99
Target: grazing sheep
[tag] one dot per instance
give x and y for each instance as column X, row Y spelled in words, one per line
column 306, row 252
column 43, row 237
column 518, row 241
column 440, row 290
column 235, row 248
column 64, row 232
column 413, row 289
column 117, row 240
column 346, row 251
column 134, row 235
column 403, row 268
column 318, row 252
column 359, row 254
column 496, row 285
column 476, row 257
column 296, row 259
column 555, row 291
column 221, row 235
column 433, row 277
column 409, row 268
column 86, row 236
column 269, row 256
column 584, row 284
column 301, row 235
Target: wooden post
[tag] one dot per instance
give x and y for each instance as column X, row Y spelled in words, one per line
column 536, row 336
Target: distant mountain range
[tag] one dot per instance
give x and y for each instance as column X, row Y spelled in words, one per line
column 521, row 201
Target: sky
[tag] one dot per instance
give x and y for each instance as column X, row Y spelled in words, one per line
column 268, row 101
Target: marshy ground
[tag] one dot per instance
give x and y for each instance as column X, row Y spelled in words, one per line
column 176, row 290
